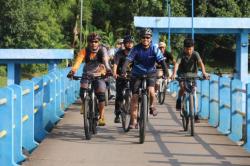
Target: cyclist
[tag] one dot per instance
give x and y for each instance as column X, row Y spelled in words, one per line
column 119, row 60
column 96, row 63
column 144, row 55
column 119, row 45
column 187, row 62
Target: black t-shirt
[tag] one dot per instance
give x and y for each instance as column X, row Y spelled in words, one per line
column 119, row 60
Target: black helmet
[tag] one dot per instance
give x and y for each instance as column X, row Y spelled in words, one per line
column 145, row 31
column 93, row 36
column 128, row 38
column 188, row 42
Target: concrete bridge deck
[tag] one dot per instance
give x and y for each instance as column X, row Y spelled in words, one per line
column 166, row 143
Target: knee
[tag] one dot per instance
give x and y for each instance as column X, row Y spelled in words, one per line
column 100, row 96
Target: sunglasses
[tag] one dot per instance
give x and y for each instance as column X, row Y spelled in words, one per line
column 94, row 41
column 161, row 47
column 145, row 37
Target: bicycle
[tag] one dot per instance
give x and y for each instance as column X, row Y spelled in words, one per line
column 161, row 92
column 125, row 104
column 142, row 113
column 89, row 106
column 187, row 112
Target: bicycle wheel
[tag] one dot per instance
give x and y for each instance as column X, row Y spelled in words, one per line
column 95, row 112
column 184, row 115
column 106, row 97
column 191, row 114
column 125, row 112
column 143, row 119
column 162, row 93
column 87, row 117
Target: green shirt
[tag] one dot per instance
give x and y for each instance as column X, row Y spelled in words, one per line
column 188, row 64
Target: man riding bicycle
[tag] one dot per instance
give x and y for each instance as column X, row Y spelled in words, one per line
column 144, row 56
column 187, row 62
column 96, row 64
column 119, row 60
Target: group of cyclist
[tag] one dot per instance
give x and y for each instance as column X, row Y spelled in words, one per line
column 134, row 60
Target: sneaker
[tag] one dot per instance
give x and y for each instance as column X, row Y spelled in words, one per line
column 178, row 104
column 101, row 122
column 196, row 119
column 153, row 111
column 117, row 119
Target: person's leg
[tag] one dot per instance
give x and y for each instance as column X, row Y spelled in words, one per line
column 134, row 101
column 83, row 88
column 100, row 88
column 151, row 90
column 118, row 100
column 180, row 94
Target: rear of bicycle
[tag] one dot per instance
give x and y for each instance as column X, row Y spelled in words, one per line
column 161, row 90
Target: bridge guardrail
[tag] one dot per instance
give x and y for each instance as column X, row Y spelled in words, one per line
column 226, row 105
column 30, row 110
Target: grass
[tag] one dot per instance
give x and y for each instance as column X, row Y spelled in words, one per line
column 3, row 81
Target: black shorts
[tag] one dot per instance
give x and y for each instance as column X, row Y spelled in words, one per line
column 135, row 83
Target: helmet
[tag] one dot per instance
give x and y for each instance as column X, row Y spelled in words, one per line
column 93, row 36
column 188, row 42
column 162, row 44
column 145, row 31
column 128, row 38
column 119, row 41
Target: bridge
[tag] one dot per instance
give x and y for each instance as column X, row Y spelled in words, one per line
column 40, row 124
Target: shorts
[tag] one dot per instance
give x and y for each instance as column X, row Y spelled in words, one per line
column 135, row 83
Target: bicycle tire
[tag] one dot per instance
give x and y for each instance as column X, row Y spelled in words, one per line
column 184, row 115
column 95, row 112
column 191, row 114
column 143, row 119
column 125, row 112
column 106, row 97
column 87, row 118
column 162, row 93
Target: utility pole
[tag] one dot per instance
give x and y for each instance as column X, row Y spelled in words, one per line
column 80, row 45
column 192, row 19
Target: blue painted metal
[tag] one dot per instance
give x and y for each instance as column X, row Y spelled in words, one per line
column 48, row 123
column 155, row 37
column 198, row 96
column 204, row 112
column 236, row 108
column 59, row 111
column 224, row 106
column 209, row 24
column 214, row 101
column 39, row 130
column 247, row 145
column 52, row 100
column 242, row 56
column 28, row 134
column 17, row 123
column 192, row 19
column 169, row 28
column 6, row 128
column 39, row 54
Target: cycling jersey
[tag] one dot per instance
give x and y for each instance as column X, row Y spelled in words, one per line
column 144, row 59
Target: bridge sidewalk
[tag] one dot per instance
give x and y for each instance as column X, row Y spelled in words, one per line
column 166, row 144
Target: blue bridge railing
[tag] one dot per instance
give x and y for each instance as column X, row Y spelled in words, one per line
column 30, row 110
column 225, row 103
